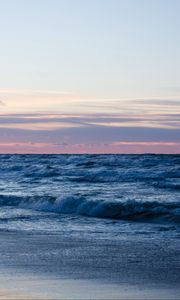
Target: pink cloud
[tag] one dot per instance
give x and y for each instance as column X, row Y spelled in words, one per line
column 89, row 132
column 101, row 148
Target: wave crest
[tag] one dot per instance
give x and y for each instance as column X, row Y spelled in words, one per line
column 145, row 211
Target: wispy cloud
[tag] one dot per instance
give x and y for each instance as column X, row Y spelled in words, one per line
column 58, row 122
column 80, row 148
column 2, row 103
column 31, row 101
column 53, row 121
column 46, row 133
column 162, row 102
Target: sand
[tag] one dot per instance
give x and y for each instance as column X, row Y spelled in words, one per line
column 60, row 266
column 38, row 287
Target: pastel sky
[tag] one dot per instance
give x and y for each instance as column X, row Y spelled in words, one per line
column 89, row 76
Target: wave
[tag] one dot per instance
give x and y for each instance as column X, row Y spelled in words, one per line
column 167, row 185
column 144, row 211
column 153, row 170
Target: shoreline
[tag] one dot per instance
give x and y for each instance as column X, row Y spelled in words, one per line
column 34, row 287
column 60, row 266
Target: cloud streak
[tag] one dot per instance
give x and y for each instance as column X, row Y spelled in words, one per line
column 57, row 122
column 31, row 101
column 89, row 148
column 2, row 103
column 84, row 136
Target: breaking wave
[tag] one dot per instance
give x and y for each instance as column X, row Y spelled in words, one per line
column 145, row 211
column 123, row 187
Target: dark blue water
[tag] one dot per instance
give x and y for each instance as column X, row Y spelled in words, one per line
column 108, row 194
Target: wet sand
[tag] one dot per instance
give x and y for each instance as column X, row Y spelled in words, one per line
column 60, row 266
column 26, row 287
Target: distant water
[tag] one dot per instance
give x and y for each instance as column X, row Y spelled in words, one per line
column 90, row 194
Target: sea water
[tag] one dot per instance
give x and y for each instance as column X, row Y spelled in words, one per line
column 104, row 196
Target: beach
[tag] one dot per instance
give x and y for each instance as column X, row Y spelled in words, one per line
column 57, row 266
column 89, row 227
column 90, row 150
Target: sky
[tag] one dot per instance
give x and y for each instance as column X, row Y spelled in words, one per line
column 89, row 76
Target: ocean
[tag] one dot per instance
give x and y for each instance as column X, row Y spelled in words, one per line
column 113, row 218
column 84, row 192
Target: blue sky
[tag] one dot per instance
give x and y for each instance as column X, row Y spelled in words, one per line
column 90, row 56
